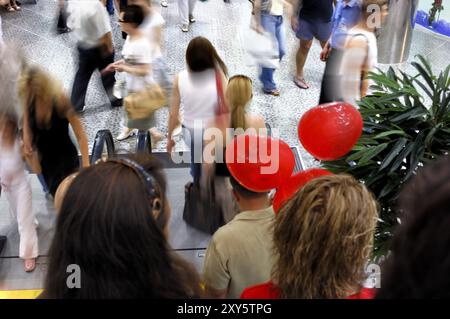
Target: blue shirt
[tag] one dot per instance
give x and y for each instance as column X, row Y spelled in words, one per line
column 346, row 16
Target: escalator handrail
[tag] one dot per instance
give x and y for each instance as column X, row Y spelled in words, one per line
column 144, row 142
column 299, row 164
column 269, row 130
column 102, row 137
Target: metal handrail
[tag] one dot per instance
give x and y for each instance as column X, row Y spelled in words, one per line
column 102, row 137
column 144, row 142
column 299, row 164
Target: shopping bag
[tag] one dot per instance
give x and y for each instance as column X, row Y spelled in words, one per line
column 262, row 49
column 142, row 104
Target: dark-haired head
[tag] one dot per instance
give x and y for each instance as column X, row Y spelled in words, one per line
column 201, row 55
column 245, row 192
column 114, row 231
column 132, row 15
column 419, row 263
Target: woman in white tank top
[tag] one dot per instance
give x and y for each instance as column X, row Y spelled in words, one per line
column 195, row 97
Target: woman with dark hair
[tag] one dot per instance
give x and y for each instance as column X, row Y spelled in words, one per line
column 116, row 233
column 47, row 115
column 322, row 242
column 419, row 263
column 152, row 27
column 138, row 55
column 195, row 95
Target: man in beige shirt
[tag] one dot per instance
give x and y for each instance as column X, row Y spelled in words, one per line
column 240, row 253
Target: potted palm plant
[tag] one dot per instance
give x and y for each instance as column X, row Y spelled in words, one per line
column 406, row 125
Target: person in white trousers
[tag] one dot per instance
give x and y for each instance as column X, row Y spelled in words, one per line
column 16, row 187
column 185, row 9
column 13, row 179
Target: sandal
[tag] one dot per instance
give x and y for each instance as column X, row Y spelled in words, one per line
column 9, row 8
column 29, row 264
column 16, row 7
column 301, row 83
column 274, row 92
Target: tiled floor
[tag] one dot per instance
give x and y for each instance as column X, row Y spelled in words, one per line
column 32, row 30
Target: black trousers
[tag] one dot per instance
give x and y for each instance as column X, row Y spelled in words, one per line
column 62, row 20
column 331, row 81
column 89, row 61
column 62, row 16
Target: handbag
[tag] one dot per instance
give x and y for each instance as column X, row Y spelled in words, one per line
column 144, row 103
column 201, row 209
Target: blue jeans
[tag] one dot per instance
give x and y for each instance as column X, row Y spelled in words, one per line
column 110, row 6
column 194, row 138
column 274, row 25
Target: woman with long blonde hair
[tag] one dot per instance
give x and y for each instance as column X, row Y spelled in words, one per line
column 239, row 95
column 322, row 242
column 47, row 115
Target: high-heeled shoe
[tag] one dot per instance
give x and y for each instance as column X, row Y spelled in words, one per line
column 126, row 133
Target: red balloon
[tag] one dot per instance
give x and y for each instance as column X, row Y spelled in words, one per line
column 329, row 131
column 287, row 190
column 259, row 163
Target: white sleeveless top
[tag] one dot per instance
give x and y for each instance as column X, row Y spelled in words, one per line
column 352, row 60
column 198, row 96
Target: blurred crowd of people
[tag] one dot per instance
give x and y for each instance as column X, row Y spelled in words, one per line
column 113, row 215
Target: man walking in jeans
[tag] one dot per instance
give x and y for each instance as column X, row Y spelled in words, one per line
column 269, row 18
column 90, row 22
